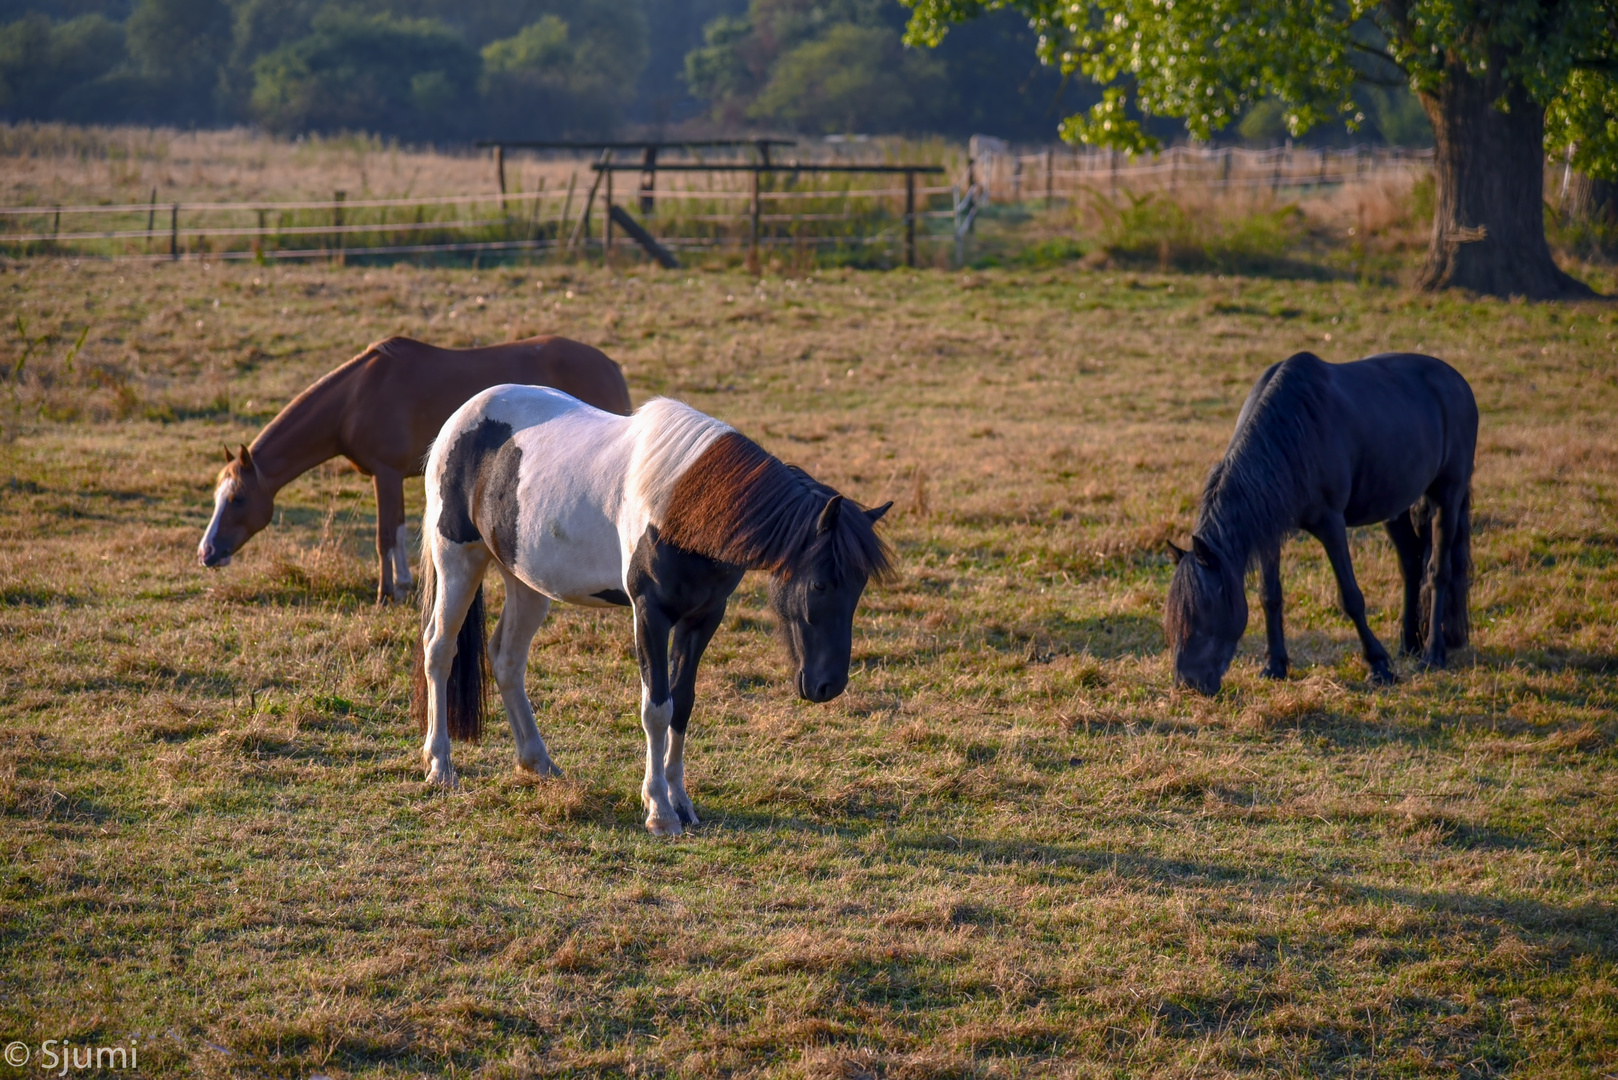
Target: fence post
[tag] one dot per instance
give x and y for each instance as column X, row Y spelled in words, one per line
column 258, row 241
column 648, row 181
column 752, row 232
column 500, row 172
column 606, row 222
column 1050, row 177
column 337, row 224
column 910, row 218
column 151, row 218
column 174, row 231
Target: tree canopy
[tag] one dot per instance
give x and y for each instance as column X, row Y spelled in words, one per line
column 1497, row 78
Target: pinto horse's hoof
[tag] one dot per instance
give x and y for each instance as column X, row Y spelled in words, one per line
column 663, row 826
column 444, row 778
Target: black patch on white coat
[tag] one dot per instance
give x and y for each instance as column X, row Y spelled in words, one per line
column 480, row 478
column 613, row 596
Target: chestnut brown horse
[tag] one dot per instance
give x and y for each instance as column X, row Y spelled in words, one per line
column 381, row 411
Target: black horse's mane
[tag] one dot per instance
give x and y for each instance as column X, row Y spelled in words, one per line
column 1251, row 498
column 739, row 504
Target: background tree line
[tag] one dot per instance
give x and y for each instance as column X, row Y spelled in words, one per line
column 436, row 71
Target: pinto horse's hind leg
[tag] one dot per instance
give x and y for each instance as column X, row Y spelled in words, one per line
column 1333, row 536
column 691, row 637
column 457, row 575
column 1275, row 635
column 1408, row 543
column 520, row 619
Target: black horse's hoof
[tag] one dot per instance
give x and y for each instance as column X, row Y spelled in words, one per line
column 1382, row 675
column 1434, row 663
column 1274, row 671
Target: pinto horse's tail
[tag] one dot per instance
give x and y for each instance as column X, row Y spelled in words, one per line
column 1457, row 617
column 466, row 693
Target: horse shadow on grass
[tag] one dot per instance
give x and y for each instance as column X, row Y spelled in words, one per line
column 1568, row 930
column 1105, row 637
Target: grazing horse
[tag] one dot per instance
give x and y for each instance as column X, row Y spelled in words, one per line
column 1321, row 447
column 381, row 410
column 663, row 512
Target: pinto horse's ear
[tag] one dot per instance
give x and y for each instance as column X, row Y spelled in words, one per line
column 1176, row 552
column 828, row 516
column 247, row 460
column 875, row 513
column 229, row 457
column 1205, row 554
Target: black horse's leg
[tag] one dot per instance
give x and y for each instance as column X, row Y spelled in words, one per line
column 691, row 637
column 1446, row 525
column 1333, row 536
column 656, row 710
column 1270, row 571
column 1407, row 542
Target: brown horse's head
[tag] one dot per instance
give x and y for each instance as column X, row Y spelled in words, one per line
column 242, row 505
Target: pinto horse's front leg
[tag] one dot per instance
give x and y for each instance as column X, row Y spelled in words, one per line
column 691, row 637
column 656, row 715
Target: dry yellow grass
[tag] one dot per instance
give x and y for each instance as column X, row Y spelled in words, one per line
column 1011, row 849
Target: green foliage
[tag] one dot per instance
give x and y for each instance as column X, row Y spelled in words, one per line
column 1585, row 117
column 359, row 72
column 58, row 71
column 179, row 47
column 843, row 66
column 548, row 81
column 1210, row 63
column 855, row 78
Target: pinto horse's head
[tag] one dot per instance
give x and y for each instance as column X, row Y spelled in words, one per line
column 242, row 505
column 1206, row 615
column 814, row 594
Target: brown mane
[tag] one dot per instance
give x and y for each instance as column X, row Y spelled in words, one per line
column 739, row 504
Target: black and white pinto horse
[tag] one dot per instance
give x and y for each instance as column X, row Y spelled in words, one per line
column 662, row 511
column 1321, row 447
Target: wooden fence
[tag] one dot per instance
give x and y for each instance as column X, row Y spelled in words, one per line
column 694, row 205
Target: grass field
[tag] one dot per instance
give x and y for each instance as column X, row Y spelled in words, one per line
column 1011, row 849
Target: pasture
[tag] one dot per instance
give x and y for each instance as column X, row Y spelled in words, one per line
column 1012, row 848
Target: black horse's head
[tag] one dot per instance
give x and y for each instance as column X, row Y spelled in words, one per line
column 1206, row 616
column 814, row 595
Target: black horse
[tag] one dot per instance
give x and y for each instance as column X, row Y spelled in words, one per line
column 1321, row 447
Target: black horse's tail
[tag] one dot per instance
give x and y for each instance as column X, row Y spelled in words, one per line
column 466, row 693
column 1457, row 617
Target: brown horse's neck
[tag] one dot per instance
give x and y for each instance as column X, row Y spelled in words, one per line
column 303, row 434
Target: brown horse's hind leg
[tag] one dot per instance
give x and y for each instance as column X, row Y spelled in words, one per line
column 389, row 534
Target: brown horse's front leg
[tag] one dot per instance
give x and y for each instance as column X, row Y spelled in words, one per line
column 389, row 537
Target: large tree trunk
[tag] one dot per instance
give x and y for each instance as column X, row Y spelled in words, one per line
column 1489, row 191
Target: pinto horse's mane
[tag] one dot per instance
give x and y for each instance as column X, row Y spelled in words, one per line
column 1252, row 496
column 735, row 502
